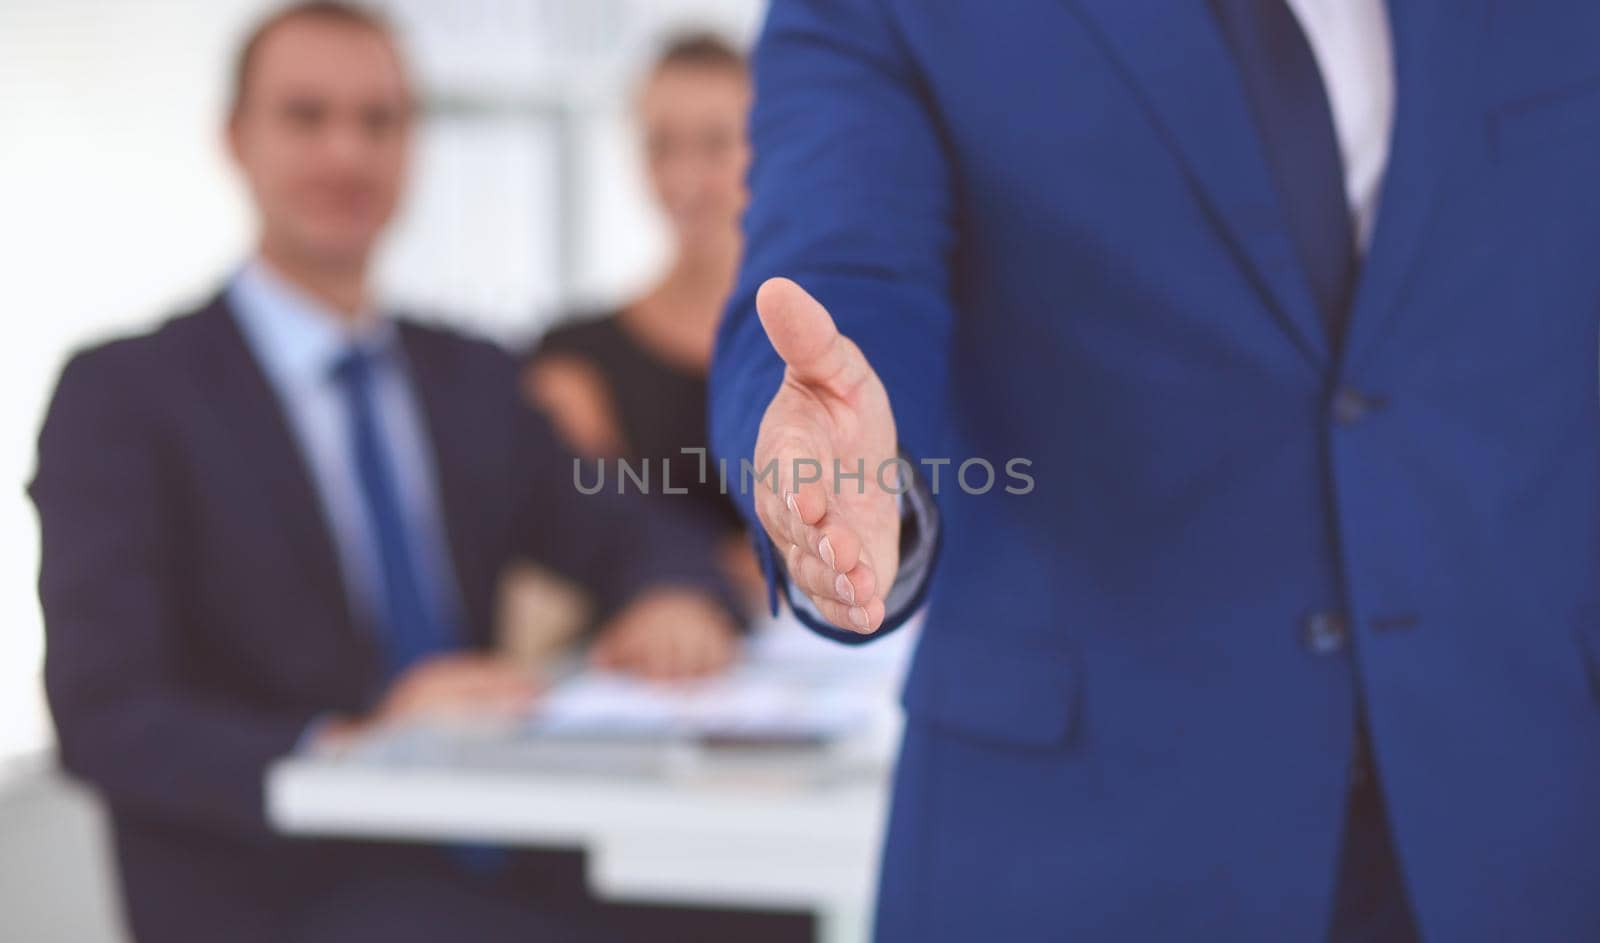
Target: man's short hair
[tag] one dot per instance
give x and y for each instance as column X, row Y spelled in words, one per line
column 337, row 12
column 701, row 48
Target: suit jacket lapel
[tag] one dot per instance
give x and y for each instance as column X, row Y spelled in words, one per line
column 1435, row 45
column 455, row 432
column 1175, row 56
column 248, row 410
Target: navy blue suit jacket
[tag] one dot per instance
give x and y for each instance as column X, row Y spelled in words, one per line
column 196, row 616
column 1050, row 226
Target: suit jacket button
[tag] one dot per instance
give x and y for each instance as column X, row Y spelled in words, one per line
column 1351, row 406
column 1324, row 633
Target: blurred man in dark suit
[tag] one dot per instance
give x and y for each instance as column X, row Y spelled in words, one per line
column 279, row 520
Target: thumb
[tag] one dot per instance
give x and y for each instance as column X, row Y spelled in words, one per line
column 804, row 335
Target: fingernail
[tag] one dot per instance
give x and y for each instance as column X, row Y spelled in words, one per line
column 789, row 500
column 825, row 551
column 858, row 617
column 847, row 592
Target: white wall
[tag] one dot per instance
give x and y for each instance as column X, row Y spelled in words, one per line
column 117, row 205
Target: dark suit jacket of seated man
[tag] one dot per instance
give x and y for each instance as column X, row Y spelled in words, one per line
column 198, row 622
column 284, row 516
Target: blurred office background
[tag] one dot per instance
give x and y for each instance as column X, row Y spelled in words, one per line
column 117, row 206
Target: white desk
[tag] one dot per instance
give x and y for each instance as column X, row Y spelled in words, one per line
column 705, row 827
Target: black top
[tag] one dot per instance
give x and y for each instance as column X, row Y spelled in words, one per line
column 660, row 408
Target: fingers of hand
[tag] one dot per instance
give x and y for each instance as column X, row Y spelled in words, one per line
column 792, row 511
column 461, row 683
column 488, row 686
column 702, row 649
column 666, row 650
column 864, row 619
column 616, row 650
column 813, row 576
column 827, row 562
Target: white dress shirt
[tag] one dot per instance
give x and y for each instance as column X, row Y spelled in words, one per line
column 1354, row 52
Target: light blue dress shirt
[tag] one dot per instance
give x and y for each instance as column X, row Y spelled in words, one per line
column 297, row 340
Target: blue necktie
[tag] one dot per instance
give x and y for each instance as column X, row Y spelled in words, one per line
column 411, row 625
column 1295, row 122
